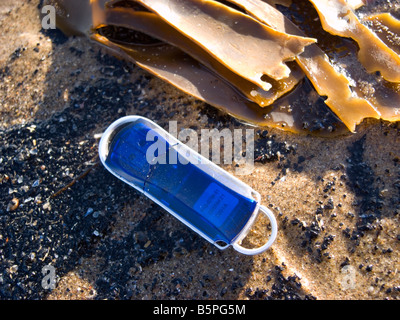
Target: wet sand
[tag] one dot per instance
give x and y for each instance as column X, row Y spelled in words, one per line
column 336, row 200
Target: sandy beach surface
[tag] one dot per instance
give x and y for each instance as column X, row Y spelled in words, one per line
column 336, row 200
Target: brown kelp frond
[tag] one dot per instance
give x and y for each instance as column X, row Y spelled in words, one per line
column 241, row 43
column 258, row 60
column 177, row 68
column 152, row 25
column 387, row 28
column 316, row 65
column 339, row 19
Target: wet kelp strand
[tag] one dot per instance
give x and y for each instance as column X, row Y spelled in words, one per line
column 250, row 57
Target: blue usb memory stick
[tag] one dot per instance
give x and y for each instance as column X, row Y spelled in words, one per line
column 209, row 200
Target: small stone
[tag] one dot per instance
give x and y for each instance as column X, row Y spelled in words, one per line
column 89, row 211
column 14, row 268
column 47, row 206
column 36, row 183
column 13, row 205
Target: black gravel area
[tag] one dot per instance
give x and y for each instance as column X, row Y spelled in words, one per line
column 58, row 203
column 361, row 179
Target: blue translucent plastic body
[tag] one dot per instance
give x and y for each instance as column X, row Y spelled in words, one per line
column 204, row 202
